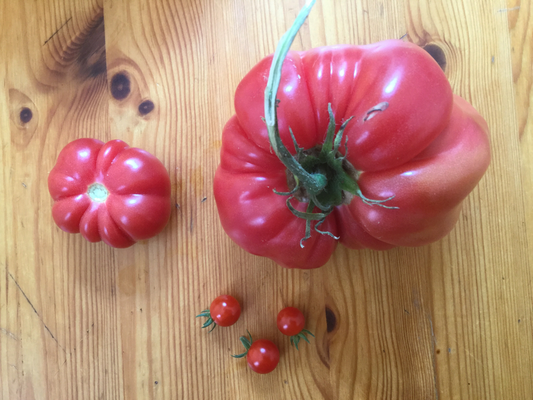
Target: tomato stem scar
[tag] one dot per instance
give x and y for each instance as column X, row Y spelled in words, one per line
column 97, row 192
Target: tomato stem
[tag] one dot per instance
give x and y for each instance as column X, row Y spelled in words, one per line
column 313, row 182
column 323, row 177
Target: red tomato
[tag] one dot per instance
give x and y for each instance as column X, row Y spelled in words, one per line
column 263, row 356
column 225, row 310
column 291, row 321
column 410, row 138
column 109, row 192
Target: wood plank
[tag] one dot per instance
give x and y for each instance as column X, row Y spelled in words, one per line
column 450, row 320
column 521, row 29
column 519, row 15
column 58, row 313
column 480, row 289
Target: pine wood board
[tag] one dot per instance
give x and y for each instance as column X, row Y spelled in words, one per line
column 452, row 320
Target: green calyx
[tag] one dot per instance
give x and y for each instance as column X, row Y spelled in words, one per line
column 302, row 335
column 322, row 176
column 247, row 343
column 329, row 167
column 209, row 320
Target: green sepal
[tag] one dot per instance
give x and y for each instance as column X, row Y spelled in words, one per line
column 328, row 143
column 287, row 193
column 247, row 343
column 338, row 138
column 301, row 336
column 317, row 202
column 325, row 232
column 295, row 339
column 308, row 332
column 307, row 215
column 309, row 163
column 210, row 321
column 204, row 313
column 372, row 202
column 297, row 148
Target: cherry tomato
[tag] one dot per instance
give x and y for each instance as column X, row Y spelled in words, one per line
column 291, row 321
column 263, row 356
column 225, row 310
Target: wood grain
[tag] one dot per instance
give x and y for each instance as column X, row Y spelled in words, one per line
column 521, row 30
column 77, row 321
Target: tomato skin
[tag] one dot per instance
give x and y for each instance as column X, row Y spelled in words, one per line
column 137, row 205
column 428, row 149
column 263, row 356
column 290, row 321
column 225, row 310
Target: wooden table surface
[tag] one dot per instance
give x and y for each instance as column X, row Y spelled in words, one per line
column 452, row 320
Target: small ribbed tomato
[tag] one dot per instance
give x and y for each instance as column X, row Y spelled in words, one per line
column 109, row 192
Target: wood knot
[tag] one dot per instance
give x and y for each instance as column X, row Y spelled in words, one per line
column 436, row 52
column 331, row 320
column 91, row 54
column 120, row 86
column 146, row 107
column 25, row 115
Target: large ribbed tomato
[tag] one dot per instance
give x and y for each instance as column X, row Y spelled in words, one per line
column 410, row 141
column 109, row 192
